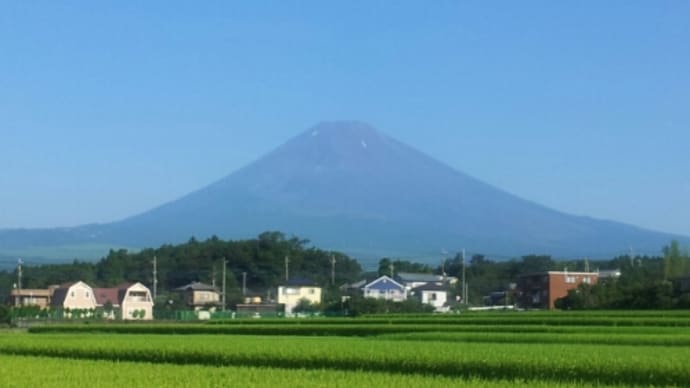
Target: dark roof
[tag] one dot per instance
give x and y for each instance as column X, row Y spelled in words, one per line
column 197, row 286
column 105, row 295
column 60, row 294
column 297, row 281
column 418, row 277
column 430, row 287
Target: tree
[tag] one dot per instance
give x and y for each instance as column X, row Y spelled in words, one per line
column 304, row 306
column 676, row 261
column 4, row 314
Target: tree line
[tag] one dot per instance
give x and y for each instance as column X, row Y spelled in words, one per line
column 262, row 259
column 645, row 281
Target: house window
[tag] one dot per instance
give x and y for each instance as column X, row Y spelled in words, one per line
column 587, row 280
column 312, row 291
column 87, row 294
column 433, row 296
column 570, row 279
column 71, row 294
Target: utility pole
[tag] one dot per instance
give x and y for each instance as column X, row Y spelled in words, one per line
column 586, row 264
column 155, row 278
column 225, row 264
column 332, row 269
column 444, row 253
column 213, row 275
column 464, row 285
column 287, row 261
column 244, row 283
column 19, row 281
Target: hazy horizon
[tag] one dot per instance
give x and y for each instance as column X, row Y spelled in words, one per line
column 106, row 112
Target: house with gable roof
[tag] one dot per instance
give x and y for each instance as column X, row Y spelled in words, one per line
column 385, row 288
column 74, row 296
column 128, row 301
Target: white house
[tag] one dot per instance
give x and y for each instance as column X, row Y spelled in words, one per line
column 296, row 290
column 433, row 295
column 131, row 300
column 385, row 288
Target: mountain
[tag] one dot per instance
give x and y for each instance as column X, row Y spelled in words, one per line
column 346, row 186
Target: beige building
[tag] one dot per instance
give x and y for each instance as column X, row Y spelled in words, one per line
column 200, row 296
column 296, row 290
column 31, row 297
column 73, row 296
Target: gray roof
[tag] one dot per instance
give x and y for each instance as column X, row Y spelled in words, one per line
column 418, row 277
column 430, row 287
column 197, row 286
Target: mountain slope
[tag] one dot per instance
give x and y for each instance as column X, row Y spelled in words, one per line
column 346, row 186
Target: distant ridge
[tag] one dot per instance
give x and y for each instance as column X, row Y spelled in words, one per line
column 344, row 185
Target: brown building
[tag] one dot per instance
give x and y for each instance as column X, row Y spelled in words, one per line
column 200, row 296
column 540, row 290
column 31, row 297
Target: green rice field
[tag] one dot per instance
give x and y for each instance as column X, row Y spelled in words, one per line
column 483, row 350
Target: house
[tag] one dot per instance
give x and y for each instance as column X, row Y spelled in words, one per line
column 432, row 294
column 31, row 297
column 127, row 301
column 540, row 290
column 73, row 296
column 200, row 296
column 297, row 289
column 385, row 288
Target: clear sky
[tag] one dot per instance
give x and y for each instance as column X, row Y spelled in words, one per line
column 110, row 108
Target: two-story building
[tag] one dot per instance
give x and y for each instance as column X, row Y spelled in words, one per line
column 74, row 296
column 385, row 288
column 200, row 296
column 432, row 294
column 298, row 289
column 31, row 297
column 540, row 290
column 128, row 301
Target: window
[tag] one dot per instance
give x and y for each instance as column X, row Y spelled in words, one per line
column 71, row 294
column 587, row 280
column 433, row 296
column 312, row 291
column 87, row 294
column 570, row 279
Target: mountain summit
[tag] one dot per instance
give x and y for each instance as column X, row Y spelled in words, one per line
column 344, row 185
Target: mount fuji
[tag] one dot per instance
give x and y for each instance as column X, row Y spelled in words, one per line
column 346, row 186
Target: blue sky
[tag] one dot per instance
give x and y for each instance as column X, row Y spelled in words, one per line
column 108, row 109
